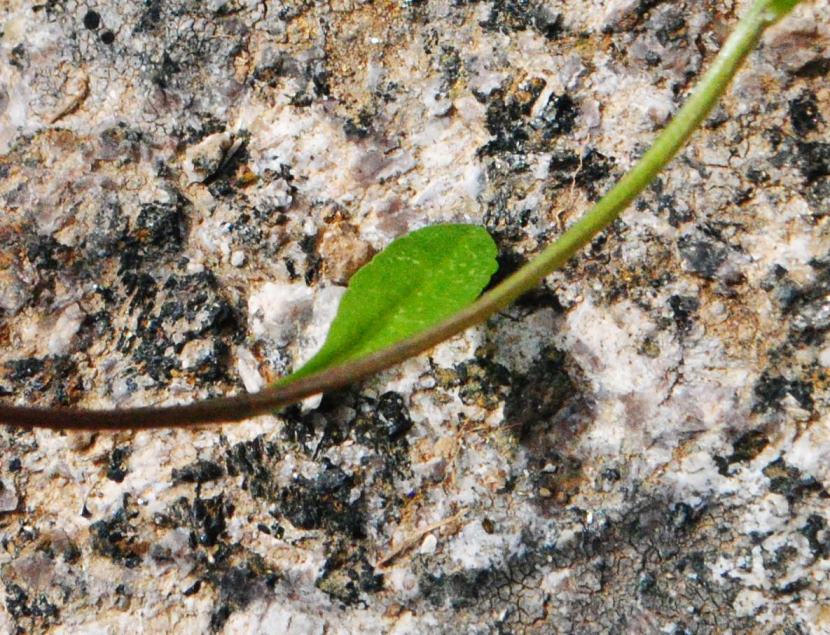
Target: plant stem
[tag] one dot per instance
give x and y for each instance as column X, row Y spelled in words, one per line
column 762, row 14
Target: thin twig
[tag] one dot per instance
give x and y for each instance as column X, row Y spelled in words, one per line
column 412, row 540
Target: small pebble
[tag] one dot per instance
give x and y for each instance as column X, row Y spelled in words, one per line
column 429, row 544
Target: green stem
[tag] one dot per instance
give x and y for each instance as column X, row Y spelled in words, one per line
column 762, row 14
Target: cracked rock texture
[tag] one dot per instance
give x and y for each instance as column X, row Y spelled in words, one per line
column 641, row 445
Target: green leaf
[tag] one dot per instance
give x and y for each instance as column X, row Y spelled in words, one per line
column 782, row 7
column 416, row 282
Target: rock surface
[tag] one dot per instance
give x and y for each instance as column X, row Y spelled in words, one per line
column 641, row 445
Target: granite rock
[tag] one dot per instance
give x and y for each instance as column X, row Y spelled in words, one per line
column 639, row 445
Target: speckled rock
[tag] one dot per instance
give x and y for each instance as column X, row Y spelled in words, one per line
column 640, row 445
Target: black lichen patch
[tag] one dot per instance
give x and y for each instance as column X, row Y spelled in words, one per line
column 806, row 305
column 155, row 239
column 554, row 476
column 813, row 159
column 36, row 612
column 507, row 16
column 20, row 369
column 205, row 518
column 515, row 132
column 662, row 550
column 117, row 537
column 479, row 381
column 359, row 126
column 804, row 114
column 510, row 591
column 255, row 461
column 770, row 390
column 505, row 220
column 19, row 57
column 150, row 17
column 790, row 482
column 347, row 573
column 589, row 172
column 314, row 263
column 684, row 308
column 537, row 396
column 780, row 560
column 563, row 166
column 209, row 519
column 160, row 226
column 46, row 254
column 52, row 379
column 173, row 313
column 506, row 118
column 117, row 464
column 238, row 576
column 324, row 503
column 238, row 586
column 230, row 174
column 458, row 590
column 672, row 28
column 327, row 501
column 52, row 261
column 165, row 70
column 380, row 424
column 199, row 301
column 817, row 67
column 745, row 448
column 393, row 415
column 816, row 532
column 701, row 255
column 301, row 427
column 200, row 471
column 677, row 214
column 557, row 117
column 781, row 287
column 521, row 129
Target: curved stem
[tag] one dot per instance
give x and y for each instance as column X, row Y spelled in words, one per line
column 762, row 14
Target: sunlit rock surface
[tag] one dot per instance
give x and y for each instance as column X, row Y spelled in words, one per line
column 642, row 445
